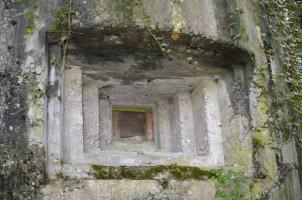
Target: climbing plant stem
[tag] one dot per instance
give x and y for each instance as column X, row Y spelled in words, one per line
column 68, row 34
column 155, row 38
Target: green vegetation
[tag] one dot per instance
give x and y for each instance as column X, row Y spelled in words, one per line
column 151, row 172
column 229, row 185
column 259, row 139
column 62, row 24
column 131, row 108
column 283, row 43
column 62, row 176
column 164, row 46
column 61, row 18
column 29, row 13
column 55, row 63
column 237, row 30
column 150, row 27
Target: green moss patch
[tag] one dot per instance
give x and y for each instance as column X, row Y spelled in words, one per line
column 152, row 172
column 131, row 108
column 62, row 176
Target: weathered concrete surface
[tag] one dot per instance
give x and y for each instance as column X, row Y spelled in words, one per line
column 163, row 125
column 194, row 16
column 200, row 125
column 21, row 165
column 186, row 123
column 235, row 120
column 239, row 105
column 289, row 189
column 73, row 115
column 129, row 189
column 91, row 118
column 105, row 114
column 212, row 120
column 54, row 116
column 93, row 97
column 228, row 101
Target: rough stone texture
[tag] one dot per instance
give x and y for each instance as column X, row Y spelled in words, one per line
column 163, row 126
column 186, row 129
column 129, row 189
column 289, row 189
column 212, row 119
column 91, row 97
column 32, row 96
column 21, row 165
column 105, row 113
column 199, row 120
column 54, row 117
column 73, row 115
column 91, row 118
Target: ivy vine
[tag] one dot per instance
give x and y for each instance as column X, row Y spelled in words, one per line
column 163, row 45
column 62, row 24
column 283, row 22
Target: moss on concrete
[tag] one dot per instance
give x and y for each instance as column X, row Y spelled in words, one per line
column 240, row 156
column 131, row 108
column 262, row 137
column 62, row 176
column 177, row 19
column 259, row 138
column 120, row 11
column 152, row 172
column 262, row 104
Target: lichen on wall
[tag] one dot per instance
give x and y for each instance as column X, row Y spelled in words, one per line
column 253, row 151
column 22, row 169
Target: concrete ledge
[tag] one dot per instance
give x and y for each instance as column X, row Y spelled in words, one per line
column 129, row 190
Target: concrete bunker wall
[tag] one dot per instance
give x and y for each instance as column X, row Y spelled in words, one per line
column 195, row 110
column 207, row 18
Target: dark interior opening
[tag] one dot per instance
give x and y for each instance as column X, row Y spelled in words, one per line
column 132, row 125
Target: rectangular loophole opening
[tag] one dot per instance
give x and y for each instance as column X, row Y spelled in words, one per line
column 132, row 123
